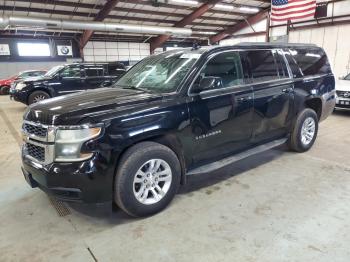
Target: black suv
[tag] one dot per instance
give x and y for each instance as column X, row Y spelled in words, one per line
column 66, row 79
column 175, row 114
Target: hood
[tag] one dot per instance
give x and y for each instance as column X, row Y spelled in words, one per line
column 88, row 106
column 342, row 85
column 34, row 79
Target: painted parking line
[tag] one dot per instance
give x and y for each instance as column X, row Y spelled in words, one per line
column 10, row 127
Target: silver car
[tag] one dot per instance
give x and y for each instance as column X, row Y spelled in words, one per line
column 343, row 93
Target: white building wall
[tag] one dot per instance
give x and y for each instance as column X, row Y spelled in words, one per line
column 233, row 41
column 96, row 51
column 334, row 39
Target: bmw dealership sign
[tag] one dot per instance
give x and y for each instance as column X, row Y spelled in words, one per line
column 64, row 50
column 4, row 49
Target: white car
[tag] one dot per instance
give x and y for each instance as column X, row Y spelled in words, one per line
column 343, row 93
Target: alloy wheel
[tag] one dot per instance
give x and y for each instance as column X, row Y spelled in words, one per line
column 308, row 130
column 152, row 181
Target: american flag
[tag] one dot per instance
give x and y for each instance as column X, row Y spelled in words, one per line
column 283, row 10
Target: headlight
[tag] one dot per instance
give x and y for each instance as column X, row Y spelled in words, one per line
column 68, row 143
column 20, row 86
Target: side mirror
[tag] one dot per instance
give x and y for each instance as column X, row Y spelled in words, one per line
column 107, row 83
column 341, row 77
column 210, row 82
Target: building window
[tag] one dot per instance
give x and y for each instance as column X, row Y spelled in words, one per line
column 33, row 49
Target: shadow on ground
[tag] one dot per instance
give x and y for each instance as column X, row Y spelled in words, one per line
column 112, row 214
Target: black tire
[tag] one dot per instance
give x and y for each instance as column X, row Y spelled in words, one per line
column 4, row 90
column 132, row 160
column 295, row 141
column 37, row 96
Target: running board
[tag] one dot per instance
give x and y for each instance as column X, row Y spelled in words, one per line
column 229, row 160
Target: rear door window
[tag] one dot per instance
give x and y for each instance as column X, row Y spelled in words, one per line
column 293, row 64
column 94, row 71
column 261, row 65
column 312, row 61
column 281, row 64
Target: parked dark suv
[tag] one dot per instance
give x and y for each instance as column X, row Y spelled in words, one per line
column 178, row 113
column 66, row 79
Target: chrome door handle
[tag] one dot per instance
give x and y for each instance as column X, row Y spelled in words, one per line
column 287, row 90
column 245, row 98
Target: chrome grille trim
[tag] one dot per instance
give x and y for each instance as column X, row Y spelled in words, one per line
column 35, row 130
column 37, row 152
column 38, row 131
column 345, row 94
column 48, row 152
column 38, row 137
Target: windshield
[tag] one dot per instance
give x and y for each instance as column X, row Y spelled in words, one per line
column 159, row 73
column 347, row 77
column 54, row 70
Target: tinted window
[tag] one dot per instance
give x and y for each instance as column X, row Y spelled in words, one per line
column 281, row 65
column 35, row 73
column 116, row 69
column 39, row 73
column 26, row 74
column 94, row 71
column 293, row 65
column 226, row 66
column 311, row 61
column 70, row 72
column 261, row 65
column 347, row 77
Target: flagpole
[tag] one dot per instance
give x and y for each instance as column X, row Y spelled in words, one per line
column 288, row 27
column 268, row 21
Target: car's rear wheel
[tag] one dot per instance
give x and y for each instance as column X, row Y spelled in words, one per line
column 37, row 96
column 304, row 131
column 4, row 90
column 147, row 179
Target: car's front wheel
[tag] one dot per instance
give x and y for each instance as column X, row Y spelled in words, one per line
column 147, row 179
column 37, row 96
column 305, row 131
column 4, row 90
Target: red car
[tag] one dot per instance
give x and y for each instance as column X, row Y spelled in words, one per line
column 5, row 84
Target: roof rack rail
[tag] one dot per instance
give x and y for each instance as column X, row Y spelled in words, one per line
column 274, row 44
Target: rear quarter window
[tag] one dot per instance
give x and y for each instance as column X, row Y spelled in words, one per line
column 311, row 61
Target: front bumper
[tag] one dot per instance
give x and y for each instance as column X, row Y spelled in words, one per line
column 89, row 181
column 342, row 103
column 18, row 95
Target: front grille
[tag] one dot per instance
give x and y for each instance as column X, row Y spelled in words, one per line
column 36, row 152
column 345, row 94
column 35, row 130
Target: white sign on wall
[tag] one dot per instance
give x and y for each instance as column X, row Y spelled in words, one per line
column 4, row 49
column 64, row 50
